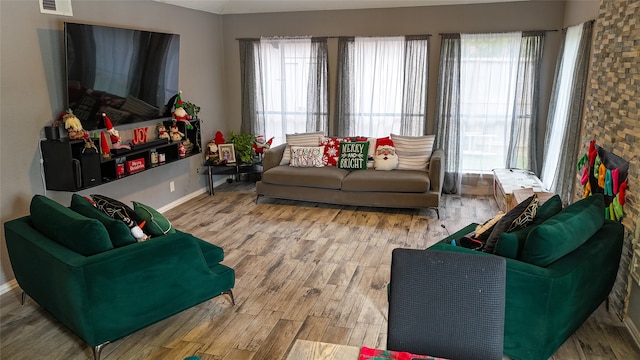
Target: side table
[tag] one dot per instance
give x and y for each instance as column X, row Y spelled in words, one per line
column 230, row 170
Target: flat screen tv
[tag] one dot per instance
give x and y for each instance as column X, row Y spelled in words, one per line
column 131, row 75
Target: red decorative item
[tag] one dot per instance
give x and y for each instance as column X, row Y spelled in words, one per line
column 332, row 150
column 104, row 146
column 219, row 139
column 134, row 166
column 140, row 135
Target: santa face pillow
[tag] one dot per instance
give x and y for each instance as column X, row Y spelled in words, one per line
column 386, row 158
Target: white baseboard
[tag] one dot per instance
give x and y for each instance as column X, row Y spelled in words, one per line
column 8, row 286
column 182, row 200
column 633, row 330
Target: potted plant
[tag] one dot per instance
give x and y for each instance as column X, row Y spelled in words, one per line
column 191, row 109
column 243, row 144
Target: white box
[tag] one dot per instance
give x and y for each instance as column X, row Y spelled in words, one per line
column 505, row 181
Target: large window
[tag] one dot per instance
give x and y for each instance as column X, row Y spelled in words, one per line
column 284, row 86
column 382, row 85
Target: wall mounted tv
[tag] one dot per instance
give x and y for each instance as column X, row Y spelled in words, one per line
column 131, row 75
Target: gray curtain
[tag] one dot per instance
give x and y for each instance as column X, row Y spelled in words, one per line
column 251, row 87
column 564, row 181
column 415, row 82
column 318, row 87
column 343, row 89
column 448, row 111
column 253, row 119
column 522, row 147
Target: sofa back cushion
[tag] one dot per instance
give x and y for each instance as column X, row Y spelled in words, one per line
column 75, row 231
column 119, row 233
column 564, row 232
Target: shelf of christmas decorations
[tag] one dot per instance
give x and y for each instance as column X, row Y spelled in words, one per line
column 153, row 153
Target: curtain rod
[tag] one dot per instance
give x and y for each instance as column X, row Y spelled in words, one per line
column 334, row 36
column 501, row 32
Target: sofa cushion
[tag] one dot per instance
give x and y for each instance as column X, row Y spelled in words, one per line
column 306, row 156
column 564, row 232
column 405, row 181
column 517, row 218
column 305, row 139
column 68, row 228
column 413, row 152
column 119, row 233
column 353, row 155
column 155, row 223
column 328, row 177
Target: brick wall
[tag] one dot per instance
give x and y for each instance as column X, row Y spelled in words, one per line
column 612, row 117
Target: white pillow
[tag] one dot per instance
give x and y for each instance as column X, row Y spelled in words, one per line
column 413, row 152
column 305, row 139
column 307, row 156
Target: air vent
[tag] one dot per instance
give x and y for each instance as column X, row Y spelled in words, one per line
column 56, row 7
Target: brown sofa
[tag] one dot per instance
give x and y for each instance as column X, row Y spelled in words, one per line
column 329, row 184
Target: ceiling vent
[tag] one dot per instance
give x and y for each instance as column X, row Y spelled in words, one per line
column 56, row 7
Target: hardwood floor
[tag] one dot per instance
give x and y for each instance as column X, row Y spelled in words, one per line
column 303, row 271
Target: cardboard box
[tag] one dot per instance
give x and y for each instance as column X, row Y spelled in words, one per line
column 506, row 181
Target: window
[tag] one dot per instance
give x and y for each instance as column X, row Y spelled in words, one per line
column 284, row 86
column 488, row 73
column 382, row 85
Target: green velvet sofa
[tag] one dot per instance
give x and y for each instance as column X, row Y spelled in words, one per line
column 68, row 264
column 559, row 270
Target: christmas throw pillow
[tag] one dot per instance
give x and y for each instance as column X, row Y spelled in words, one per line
column 385, row 157
column 353, row 155
column 332, row 149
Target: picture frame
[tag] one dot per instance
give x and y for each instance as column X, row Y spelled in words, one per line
column 227, row 152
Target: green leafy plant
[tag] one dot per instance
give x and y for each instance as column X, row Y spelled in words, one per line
column 191, row 109
column 243, row 144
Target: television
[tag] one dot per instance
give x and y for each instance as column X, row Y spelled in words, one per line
column 131, row 75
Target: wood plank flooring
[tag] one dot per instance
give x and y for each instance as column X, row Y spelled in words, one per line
column 304, row 271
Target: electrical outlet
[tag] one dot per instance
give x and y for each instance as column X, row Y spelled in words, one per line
column 172, row 186
column 197, row 170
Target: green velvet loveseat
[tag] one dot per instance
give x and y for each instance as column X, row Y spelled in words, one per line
column 559, row 270
column 100, row 288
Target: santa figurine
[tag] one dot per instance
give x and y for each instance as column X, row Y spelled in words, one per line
column 113, row 134
column 73, row 126
column 385, row 157
column 180, row 114
column 261, row 145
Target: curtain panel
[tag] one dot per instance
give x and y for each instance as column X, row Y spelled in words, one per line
column 382, row 85
column 486, row 111
column 284, row 86
column 565, row 111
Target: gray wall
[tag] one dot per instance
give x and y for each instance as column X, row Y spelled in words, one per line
column 32, row 71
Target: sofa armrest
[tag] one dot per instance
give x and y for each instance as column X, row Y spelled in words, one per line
column 436, row 170
column 272, row 157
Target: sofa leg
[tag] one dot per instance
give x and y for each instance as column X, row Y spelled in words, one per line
column 97, row 350
column 23, row 297
column 230, row 293
column 257, row 198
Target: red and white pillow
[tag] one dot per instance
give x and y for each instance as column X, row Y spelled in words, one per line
column 385, row 157
column 332, row 149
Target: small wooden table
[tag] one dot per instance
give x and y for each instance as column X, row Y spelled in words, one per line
column 315, row 350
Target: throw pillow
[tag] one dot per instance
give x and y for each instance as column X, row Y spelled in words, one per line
column 122, row 212
column 119, row 233
column 483, row 231
column 306, row 139
column 385, row 157
column 68, row 228
column 331, row 149
column 155, row 223
column 307, row 156
column 548, row 209
column 517, row 218
column 353, row 155
column 564, row 232
column 413, row 152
